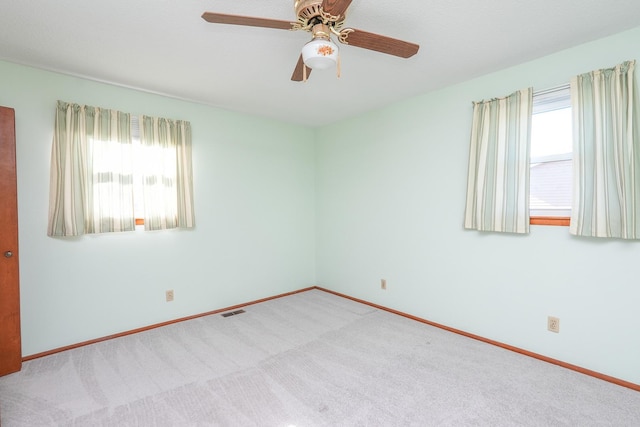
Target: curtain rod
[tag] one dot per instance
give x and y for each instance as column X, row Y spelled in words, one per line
column 552, row 89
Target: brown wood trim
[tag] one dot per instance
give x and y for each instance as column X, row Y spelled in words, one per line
column 158, row 325
column 547, row 220
column 560, row 363
column 10, row 338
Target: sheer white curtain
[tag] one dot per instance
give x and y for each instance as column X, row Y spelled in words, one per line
column 498, row 179
column 91, row 180
column 606, row 198
column 167, row 173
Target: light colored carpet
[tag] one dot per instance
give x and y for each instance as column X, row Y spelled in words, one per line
column 309, row 359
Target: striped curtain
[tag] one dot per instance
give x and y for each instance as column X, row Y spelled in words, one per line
column 498, row 179
column 606, row 165
column 91, row 179
column 167, row 173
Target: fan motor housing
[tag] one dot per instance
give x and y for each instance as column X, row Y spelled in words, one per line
column 307, row 9
column 309, row 13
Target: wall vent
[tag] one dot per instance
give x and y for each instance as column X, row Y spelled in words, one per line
column 232, row 313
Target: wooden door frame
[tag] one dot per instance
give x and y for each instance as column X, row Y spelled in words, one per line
column 10, row 340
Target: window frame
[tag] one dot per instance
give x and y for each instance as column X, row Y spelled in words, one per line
column 545, row 101
column 550, row 220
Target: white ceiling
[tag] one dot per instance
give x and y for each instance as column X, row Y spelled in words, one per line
column 165, row 46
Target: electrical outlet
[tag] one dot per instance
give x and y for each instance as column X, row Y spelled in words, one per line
column 169, row 295
column 553, row 324
column 383, row 284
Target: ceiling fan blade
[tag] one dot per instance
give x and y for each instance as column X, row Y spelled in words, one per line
column 221, row 18
column 335, row 7
column 378, row 43
column 298, row 72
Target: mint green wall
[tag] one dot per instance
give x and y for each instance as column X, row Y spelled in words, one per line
column 254, row 201
column 275, row 213
column 390, row 204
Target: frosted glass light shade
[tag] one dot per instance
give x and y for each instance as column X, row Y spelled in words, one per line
column 320, row 54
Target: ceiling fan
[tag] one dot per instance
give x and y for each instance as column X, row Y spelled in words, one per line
column 322, row 18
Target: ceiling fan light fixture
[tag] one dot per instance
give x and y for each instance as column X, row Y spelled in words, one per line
column 323, row 19
column 320, row 53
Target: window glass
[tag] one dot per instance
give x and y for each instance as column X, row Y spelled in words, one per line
column 551, row 154
column 551, row 134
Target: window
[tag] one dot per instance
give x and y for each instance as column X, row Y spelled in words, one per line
column 139, row 158
column 95, row 171
column 551, row 157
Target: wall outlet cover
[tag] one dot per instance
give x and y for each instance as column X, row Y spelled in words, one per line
column 553, row 324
